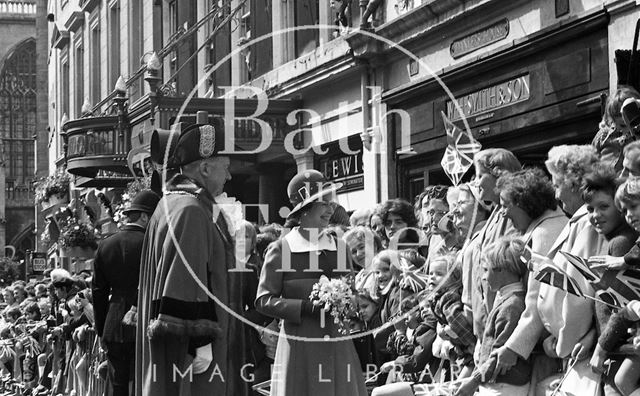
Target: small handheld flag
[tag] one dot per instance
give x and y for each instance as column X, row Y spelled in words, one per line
column 458, row 156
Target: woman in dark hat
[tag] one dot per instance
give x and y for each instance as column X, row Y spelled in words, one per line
column 307, row 365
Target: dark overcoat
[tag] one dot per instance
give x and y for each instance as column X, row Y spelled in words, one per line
column 188, row 299
column 115, row 282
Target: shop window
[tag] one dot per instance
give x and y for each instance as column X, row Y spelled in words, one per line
column 416, row 186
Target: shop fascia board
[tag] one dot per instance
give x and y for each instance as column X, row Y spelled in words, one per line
column 567, row 112
column 421, row 25
column 539, row 41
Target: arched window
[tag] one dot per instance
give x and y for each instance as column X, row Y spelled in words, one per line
column 18, row 116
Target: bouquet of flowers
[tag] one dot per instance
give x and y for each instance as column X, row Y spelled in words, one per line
column 336, row 297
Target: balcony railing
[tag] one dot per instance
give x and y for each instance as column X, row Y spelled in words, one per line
column 97, row 145
column 17, row 7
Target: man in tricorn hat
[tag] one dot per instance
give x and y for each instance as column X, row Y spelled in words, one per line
column 187, row 343
column 116, row 272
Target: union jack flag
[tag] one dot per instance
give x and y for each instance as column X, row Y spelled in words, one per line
column 555, row 277
column 458, row 156
column 614, row 288
column 412, row 277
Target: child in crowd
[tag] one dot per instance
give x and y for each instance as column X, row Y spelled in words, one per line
column 400, row 342
column 599, row 190
column 387, row 276
column 33, row 312
column 13, row 314
column 368, row 306
column 628, row 374
column 368, row 318
column 445, row 284
column 503, row 272
column 364, row 245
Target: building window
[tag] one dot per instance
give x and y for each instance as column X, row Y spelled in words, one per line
column 135, row 47
column 95, row 62
column 261, row 58
column 79, row 76
column 219, row 47
column 65, row 92
column 245, row 36
column 18, row 116
column 173, row 28
column 306, row 15
column 114, row 43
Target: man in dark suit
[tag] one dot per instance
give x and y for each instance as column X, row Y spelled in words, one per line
column 115, row 285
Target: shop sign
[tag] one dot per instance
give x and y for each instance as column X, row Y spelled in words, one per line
column 480, row 38
column 38, row 262
column 492, row 98
column 110, row 175
column 339, row 167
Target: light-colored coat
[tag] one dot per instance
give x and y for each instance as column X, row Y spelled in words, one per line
column 563, row 315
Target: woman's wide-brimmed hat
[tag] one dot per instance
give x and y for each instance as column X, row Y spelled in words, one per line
column 307, row 187
column 61, row 277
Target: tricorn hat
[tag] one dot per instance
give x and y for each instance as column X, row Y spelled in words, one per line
column 146, row 201
column 198, row 142
column 307, row 187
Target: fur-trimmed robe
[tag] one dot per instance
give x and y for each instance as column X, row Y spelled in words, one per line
column 175, row 314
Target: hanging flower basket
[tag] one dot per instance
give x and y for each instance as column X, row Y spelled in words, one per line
column 78, row 235
column 52, row 201
column 52, row 189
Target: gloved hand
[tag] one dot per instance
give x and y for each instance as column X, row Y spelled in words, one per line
column 310, row 310
column 203, row 358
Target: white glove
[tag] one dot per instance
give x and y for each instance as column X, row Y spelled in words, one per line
column 204, row 357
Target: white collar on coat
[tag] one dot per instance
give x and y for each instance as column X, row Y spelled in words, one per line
column 297, row 243
column 581, row 212
column 548, row 214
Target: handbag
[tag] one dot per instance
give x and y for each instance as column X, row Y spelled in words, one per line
column 580, row 380
column 628, row 63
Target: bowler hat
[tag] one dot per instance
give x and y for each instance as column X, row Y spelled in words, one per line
column 307, row 187
column 146, row 201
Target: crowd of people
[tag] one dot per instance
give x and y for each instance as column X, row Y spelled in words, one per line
column 470, row 289
column 47, row 340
